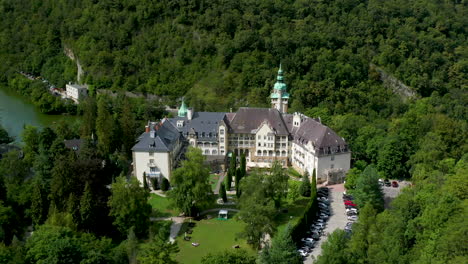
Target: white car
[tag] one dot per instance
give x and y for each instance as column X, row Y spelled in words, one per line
column 302, row 252
column 352, row 218
column 352, row 210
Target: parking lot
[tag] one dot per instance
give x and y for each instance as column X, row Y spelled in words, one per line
column 391, row 193
column 338, row 219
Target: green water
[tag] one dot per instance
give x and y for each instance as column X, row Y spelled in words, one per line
column 16, row 111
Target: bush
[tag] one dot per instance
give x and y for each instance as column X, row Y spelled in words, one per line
column 164, row 185
column 154, row 183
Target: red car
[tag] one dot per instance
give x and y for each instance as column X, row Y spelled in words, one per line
column 349, row 203
column 394, row 184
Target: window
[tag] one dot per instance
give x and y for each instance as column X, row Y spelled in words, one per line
column 332, row 166
column 214, row 152
column 180, row 123
column 222, row 152
column 221, row 139
column 153, row 169
column 207, row 152
column 221, row 131
column 151, row 154
column 151, row 161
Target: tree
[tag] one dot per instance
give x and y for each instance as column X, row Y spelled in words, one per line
column 351, row 178
column 276, row 183
column 256, row 209
column 4, row 137
column 305, row 185
column 228, row 179
column 145, row 182
column 313, row 189
column 243, row 165
column 282, row 250
column 191, row 188
column 89, row 109
column 237, row 256
column 105, row 128
column 127, row 125
column 233, row 161
column 39, row 204
column 238, row 175
column 334, row 249
column 129, row 206
column 368, row 189
column 157, row 251
column 87, row 208
column 222, row 192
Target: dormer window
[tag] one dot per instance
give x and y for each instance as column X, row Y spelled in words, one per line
column 180, row 123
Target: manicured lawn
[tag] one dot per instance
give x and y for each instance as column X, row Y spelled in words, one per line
column 213, row 235
column 162, row 206
column 213, row 181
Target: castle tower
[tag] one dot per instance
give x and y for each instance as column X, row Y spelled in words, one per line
column 279, row 96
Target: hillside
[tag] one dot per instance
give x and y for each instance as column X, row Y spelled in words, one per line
column 205, row 49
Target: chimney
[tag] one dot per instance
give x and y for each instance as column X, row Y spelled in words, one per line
column 152, row 133
column 190, row 113
column 147, row 129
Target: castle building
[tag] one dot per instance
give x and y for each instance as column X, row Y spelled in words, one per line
column 264, row 135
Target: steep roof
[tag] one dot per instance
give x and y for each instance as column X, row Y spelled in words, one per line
column 164, row 139
column 203, row 123
column 321, row 135
column 248, row 120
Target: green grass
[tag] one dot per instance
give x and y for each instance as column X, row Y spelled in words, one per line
column 161, row 206
column 214, row 181
column 213, row 235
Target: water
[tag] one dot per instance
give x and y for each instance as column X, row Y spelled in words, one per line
column 16, row 112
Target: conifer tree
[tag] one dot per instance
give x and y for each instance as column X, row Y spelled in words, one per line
column 145, row 182
column 38, row 205
column 86, row 208
column 313, row 189
column 305, row 185
column 222, row 192
column 228, row 179
column 243, row 165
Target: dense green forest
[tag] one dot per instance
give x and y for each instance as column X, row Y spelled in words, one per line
column 222, row 54
column 204, row 49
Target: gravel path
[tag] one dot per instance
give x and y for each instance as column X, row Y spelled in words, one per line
column 337, row 219
column 220, row 180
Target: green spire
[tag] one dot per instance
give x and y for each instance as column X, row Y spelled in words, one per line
column 182, row 109
column 280, row 74
column 280, row 85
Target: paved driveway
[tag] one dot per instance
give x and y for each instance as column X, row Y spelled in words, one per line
column 337, row 219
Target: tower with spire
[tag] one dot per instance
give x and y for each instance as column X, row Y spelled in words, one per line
column 279, row 96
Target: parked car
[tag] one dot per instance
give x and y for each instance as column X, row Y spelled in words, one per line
column 387, row 183
column 353, row 218
column 352, row 210
column 302, row 253
column 349, row 203
column 394, row 184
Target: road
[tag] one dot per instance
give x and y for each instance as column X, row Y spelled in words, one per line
column 337, row 219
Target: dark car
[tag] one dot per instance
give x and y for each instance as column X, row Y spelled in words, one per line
column 387, row 183
column 394, row 184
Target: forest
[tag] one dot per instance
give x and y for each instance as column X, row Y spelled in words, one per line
column 225, row 53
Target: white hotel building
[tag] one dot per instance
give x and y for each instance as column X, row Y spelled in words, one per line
column 264, row 135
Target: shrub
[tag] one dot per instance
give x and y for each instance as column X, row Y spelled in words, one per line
column 164, row 185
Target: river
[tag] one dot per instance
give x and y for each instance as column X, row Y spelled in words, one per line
column 16, row 111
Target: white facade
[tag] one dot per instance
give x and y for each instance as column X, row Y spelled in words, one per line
column 153, row 164
column 76, row 92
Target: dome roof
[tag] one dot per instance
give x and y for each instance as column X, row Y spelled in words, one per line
column 280, row 86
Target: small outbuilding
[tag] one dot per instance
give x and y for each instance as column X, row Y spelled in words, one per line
column 223, row 214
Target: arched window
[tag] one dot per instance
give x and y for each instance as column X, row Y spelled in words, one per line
column 277, row 153
column 265, row 153
column 259, row 152
column 207, row 152
column 214, row 152
column 283, row 153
